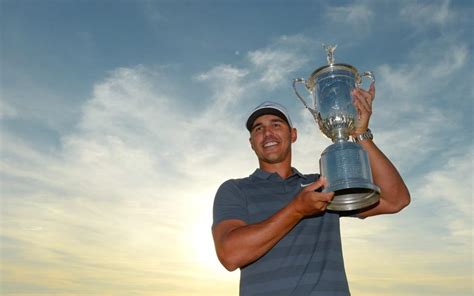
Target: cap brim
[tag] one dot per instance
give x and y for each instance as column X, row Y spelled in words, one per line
column 264, row 111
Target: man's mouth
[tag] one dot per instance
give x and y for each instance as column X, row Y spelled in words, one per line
column 269, row 144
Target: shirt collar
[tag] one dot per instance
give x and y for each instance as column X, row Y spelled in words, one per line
column 261, row 174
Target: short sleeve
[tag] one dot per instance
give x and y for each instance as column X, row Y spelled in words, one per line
column 229, row 203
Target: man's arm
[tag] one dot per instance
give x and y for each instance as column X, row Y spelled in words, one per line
column 239, row 244
column 394, row 195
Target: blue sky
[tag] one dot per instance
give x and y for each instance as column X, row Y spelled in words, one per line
column 119, row 120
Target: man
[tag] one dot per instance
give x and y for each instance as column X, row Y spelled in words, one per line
column 275, row 227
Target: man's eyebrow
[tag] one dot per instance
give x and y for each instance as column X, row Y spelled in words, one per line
column 278, row 120
column 255, row 125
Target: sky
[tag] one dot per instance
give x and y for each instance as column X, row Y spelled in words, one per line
column 120, row 119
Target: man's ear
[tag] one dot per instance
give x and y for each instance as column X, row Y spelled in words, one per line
column 294, row 135
column 250, row 141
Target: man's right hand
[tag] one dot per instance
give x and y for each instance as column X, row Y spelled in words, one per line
column 310, row 202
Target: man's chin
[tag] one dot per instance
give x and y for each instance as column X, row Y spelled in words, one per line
column 272, row 160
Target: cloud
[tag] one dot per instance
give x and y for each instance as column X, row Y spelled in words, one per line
column 358, row 16
column 451, row 188
column 276, row 65
column 7, row 111
column 154, row 12
column 278, row 60
column 228, row 87
column 415, row 100
column 422, row 14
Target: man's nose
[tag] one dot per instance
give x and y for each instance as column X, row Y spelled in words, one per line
column 267, row 130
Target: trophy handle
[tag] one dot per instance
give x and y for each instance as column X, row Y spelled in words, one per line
column 300, row 80
column 368, row 74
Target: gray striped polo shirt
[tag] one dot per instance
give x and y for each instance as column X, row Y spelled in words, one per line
column 307, row 261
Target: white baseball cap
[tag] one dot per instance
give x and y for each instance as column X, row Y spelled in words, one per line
column 268, row 107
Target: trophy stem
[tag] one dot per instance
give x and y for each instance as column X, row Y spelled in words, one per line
column 340, row 135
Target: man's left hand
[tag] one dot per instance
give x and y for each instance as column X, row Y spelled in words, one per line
column 362, row 100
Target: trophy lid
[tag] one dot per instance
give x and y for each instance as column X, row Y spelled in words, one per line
column 331, row 67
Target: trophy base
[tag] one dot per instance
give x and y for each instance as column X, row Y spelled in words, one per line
column 353, row 199
column 346, row 167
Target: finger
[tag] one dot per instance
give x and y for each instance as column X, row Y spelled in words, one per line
column 367, row 95
column 327, row 196
column 372, row 90
column 323, row 200
column 313, row 186
column 356, row 103
column 324, row 181
column 362, row 105
column 321, row 182
column 366, row 104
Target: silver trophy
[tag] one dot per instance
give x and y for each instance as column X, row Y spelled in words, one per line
column 345, row 164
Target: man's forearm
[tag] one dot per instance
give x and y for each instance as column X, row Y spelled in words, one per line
column 394, row 194
column 244, row 244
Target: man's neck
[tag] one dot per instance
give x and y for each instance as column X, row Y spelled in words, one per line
column 283, row 169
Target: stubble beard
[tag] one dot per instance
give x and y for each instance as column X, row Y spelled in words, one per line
column 275, row 158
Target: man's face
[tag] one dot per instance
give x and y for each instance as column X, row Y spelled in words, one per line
column 271, row 138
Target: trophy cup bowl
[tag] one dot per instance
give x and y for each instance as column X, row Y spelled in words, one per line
column 345, row 164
